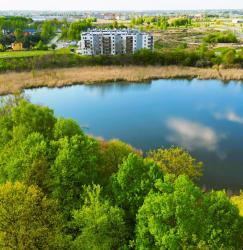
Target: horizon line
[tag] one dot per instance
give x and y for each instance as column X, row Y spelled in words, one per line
column 122, row 10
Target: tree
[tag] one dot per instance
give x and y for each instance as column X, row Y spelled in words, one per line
column 18, row 33
column 180, row 216
column 100, row 226
column 177, row 161
column 113, row 153
column 19, row 158
column 1, row 47
column 229, row 57
column 48, row 30
column 77, row 27
column 75, row 164
column 30, row 118
column 133, row 181
column 238, row 201
column 41, row 46
column 28, row 220
column 115, row 25
column 53, row 46
column 66, row 127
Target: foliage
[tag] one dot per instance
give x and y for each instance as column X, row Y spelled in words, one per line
column 75, row 29
column 41, row 46
column 53, row 46
column 113, row 153
column 133, row 181
column 75, row 165
column 182, row 21
column 221, row 37
column 18, row 34
column 180, row 216
column 55, row 199
column 1, row 47
column 100, row 226
column 28, row 118
column 176, row 161
column 28, row 220
column 14, row 22
column 66, row 128
column 19, row 158
column 229, row 57
column 238, row 201
column 48, row 30
column 29, row 60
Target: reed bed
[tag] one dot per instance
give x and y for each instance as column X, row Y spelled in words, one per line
column 12, row 82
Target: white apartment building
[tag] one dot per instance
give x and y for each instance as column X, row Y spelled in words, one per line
column 114, row 42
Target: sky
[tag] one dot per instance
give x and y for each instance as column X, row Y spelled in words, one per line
column 119, row 4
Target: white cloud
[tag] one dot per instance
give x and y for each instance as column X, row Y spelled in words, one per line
column 230, row 116
column 192, row 135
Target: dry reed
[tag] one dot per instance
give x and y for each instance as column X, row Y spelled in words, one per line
column 12, row 82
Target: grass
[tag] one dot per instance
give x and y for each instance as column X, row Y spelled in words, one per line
column 12, row 82
column 31, row 53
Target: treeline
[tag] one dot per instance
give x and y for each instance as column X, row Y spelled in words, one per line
column 199, row 58
column 221, row 37
column 14, row 22
column 73, row 31
column 62, row 189
column 20, row 29
column 160, row 22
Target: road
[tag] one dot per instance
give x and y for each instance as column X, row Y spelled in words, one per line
column 54, row 39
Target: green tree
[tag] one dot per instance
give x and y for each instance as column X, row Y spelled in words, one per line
column 75, row 165
column 229, row 57
column 28, row 220
column 53, row 46
column 48, row 30
column 238, row 201
column 18, row 33
column 19, row 158
column 133, row 181
column 113, row 153
column 177, row 161
column 66, row 127
column 41, row 46
column 2, row 48
column 100, row 226
column 180, row 216
column 29, row 118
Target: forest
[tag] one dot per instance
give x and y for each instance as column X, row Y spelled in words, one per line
column 63, row 189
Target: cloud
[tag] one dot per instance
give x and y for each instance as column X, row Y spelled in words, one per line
column 230, row 116
column 192, row 135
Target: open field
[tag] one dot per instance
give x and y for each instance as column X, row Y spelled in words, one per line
column 13, row 82
column 31, row 53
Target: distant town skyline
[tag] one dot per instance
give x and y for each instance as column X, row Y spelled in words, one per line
column 115, row 5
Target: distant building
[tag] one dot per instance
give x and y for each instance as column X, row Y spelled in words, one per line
column 114, row 42
column 109, row 16
column 122, row 17
column 235, row 21
column 65, row 44
column 17, row 46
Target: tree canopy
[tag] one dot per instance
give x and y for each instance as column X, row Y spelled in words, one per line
column 63, row 189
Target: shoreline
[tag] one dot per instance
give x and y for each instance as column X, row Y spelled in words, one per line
column 14, row 82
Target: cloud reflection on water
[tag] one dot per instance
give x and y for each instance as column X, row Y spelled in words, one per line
column 230, row 116
column 192, row 135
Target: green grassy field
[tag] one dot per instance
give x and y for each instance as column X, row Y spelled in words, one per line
column 30, row 53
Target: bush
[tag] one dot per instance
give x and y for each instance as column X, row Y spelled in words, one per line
column 219, row 37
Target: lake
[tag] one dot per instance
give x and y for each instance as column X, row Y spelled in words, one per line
column 203, row 116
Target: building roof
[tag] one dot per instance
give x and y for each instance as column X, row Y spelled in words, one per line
column 113, row 32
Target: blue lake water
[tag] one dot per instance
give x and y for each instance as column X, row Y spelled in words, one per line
column 203, row 116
